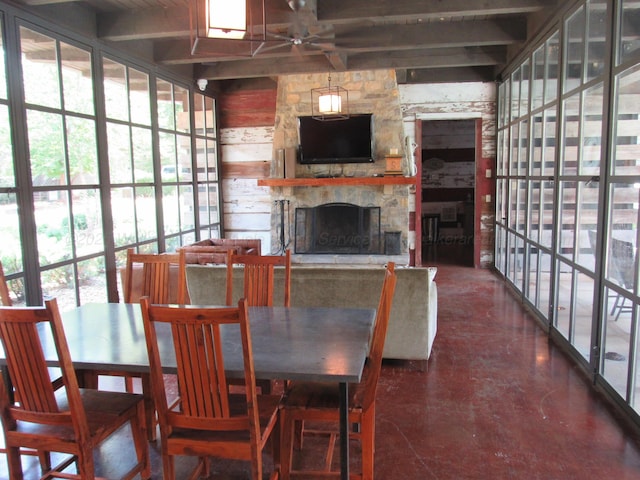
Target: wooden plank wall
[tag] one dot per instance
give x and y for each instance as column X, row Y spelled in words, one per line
column 247, row 120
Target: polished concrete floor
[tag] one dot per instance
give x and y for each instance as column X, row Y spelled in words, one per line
column 497, row 401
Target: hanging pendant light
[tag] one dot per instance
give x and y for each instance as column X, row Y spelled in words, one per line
column 227, row 27
column 329, row 103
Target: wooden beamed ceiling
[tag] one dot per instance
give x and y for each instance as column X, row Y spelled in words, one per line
column 424, row 41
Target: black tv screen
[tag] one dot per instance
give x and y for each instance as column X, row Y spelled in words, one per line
column 339, row 141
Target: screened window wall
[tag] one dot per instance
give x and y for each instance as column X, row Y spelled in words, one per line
column 97, row 155
column 568, row 188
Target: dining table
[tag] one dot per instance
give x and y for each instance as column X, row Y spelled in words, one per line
column 323, row 344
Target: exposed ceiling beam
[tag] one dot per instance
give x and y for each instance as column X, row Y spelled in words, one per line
column 391, row 38
column 341, row 11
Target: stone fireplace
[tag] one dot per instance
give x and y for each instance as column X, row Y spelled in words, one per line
column 370, row 207
column 338, row 228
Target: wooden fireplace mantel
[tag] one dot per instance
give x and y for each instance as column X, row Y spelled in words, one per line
column 336, row 181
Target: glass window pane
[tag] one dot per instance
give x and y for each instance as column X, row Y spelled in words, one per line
column 626, row 155
column 524, row 87
column 171, row 209
column 187, row 218
column 168, row 158
column 184, row 158
column 537, row 81
column 60, row 284
column 11, row 252
column 3, row 70
column 574, row 50
column 567, row 218
column 53, row 225
column 587, row 221
column 583, row 314
column 119, row 153
column 597, row 48
column 142, row 155
column 616, row 343
column 564, row 288
column 46, row 148
column 547, row 210
column 7, row 175
column 139, row 97
column 77, row 79
column 124, row 216
column 39, row 69
column 592, row 131
column 83, row 151
column 550, row 135
column 571, row 137
column 166, row 117
column 629, row 45
column 87, row 222
column 515, row 94
column 623, row 210
column 115, row 90
column 553, row 70
column 146, row 225
column 92, row 280
column 183, row 121
column 210, row 118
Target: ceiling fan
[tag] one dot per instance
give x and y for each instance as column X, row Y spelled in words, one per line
column 298, row 36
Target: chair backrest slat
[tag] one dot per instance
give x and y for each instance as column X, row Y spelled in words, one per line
column 203, row 387
column 258, row 278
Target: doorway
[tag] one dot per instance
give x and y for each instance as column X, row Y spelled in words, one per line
column 448, row 160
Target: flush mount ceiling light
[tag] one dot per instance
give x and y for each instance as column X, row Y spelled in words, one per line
column 329, row 103
column 227, row 27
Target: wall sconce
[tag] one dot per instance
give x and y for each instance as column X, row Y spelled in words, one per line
column 329, row 103
column 227, row 27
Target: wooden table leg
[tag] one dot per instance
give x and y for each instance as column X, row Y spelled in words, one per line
column 149, row 406
column 344, row 431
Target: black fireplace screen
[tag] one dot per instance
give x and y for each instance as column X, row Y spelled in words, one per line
column 340, row 228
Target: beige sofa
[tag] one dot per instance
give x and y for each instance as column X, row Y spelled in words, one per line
column 413, row 322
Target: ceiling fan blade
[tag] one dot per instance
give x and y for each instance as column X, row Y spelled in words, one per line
column 272, row 48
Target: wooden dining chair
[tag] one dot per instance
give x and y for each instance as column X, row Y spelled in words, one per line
column 69, row 420
column 206, row 420
column 54, row 374
column 150, row 274
column 258, row 289
column 309, row 401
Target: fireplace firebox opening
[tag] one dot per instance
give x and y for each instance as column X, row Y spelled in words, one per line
column 338, row 228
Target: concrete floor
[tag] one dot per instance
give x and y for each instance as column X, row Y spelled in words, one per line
column 498, row 401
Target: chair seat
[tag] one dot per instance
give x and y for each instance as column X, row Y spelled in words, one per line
column 103, row 409
column 202, row 441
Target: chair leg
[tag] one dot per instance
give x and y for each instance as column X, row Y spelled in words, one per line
column 367, row 440
column 84, row 463
column 139, row 433
column 14, row 463
column 286, row 443
column 45, row 460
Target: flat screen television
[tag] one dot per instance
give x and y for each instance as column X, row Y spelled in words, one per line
column 340, row 141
